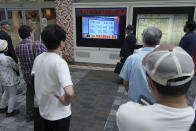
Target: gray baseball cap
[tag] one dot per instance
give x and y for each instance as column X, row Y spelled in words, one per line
column 169, row 62
column 4, row 22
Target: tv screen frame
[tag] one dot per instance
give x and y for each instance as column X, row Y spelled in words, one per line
column 100, row 27
column 101, row 42
column 162, row 10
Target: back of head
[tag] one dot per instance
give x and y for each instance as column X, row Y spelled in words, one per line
column 191, row 25
column 152, row 36
column 171, row 70
column 52, row 36
column 25, row 31
column 130, row 27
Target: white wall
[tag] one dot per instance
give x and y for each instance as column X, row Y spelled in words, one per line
column 110, row 56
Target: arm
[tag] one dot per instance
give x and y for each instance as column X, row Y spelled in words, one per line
column 184, row 42
column 125, row 73
column 126, row 84
column 64, row 79
column 40, row 49
column 67, row 97
column 13, row 64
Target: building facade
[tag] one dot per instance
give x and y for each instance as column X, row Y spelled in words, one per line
column 95, row 28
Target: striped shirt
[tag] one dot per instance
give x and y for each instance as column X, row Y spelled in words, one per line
column 26, row 51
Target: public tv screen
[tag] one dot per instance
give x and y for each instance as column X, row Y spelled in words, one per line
column 100, row 27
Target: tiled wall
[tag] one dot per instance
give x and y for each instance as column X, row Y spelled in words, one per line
column 65, row 19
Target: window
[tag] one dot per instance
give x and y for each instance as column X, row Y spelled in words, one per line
column 14, row 1
column 2, row 14
column 49, row 16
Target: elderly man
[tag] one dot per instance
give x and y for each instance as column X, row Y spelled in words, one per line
column 133, row 72
column 169, row 73
column 5, row 28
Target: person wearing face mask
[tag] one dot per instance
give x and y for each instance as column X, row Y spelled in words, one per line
column 52, row 81
column 26, row 51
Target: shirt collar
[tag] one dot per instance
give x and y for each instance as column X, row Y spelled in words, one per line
column 27, row 40
column 148, row 49
column 189, row 33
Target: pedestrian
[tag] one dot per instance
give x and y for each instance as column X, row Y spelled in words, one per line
column 169, row 73
column 133, row 72
column 9, row 80
column 26, row 51
column 4, row 35
column 188, row 43
column 53, row 84
column 129, row 44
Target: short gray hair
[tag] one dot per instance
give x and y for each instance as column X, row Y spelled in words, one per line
column 152, row 36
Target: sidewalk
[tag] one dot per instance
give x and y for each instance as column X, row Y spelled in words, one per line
column 95, row 94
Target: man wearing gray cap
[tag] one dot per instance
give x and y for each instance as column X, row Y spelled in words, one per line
column 169, row 74
column 5, row 28
column 133, row 72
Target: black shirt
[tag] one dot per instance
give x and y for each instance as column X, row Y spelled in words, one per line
column 128, row 46
column 10, row 52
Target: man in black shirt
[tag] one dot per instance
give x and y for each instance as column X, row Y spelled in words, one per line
column 5, row 28
column 129, row 44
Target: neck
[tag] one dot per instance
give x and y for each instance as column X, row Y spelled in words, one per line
column 57, row 51
column 175, row 102
column 146, row 45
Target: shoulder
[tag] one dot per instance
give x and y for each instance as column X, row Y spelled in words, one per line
column 129, row 106
column 129, row 110
column 38, row 43
column 61, row 61
column 9, row 59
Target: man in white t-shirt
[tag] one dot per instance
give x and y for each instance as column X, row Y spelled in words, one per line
column 53, row 84
column 169, row 73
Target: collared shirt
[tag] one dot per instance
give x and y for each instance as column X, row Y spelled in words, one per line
column 188, row 43
column 8, row 66
column 134, row 72
column 10, row 52
column 26, row 51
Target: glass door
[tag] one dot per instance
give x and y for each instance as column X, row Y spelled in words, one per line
column 15, row 18
column 32, row 18
column 23, row 17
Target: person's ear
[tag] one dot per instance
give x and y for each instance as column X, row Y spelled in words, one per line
column 62, row 45
column 150, row 84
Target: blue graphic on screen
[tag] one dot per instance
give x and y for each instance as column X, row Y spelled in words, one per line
column 100, row 27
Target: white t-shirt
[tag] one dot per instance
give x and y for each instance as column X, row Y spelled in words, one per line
column 135, row 117
column 51, row 76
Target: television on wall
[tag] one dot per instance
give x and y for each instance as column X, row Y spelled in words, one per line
column 170, row 20
column 99, row 27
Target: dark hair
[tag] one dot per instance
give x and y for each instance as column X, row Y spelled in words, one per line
column 52, row 36
column 25, row 31
column 191, row 25
column 130, row 27
column 173, row 90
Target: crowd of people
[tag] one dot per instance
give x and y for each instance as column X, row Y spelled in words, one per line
column 157, row 79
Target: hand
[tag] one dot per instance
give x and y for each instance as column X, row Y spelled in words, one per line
column 62, row 100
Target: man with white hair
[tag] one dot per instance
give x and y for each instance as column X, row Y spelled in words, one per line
column 133, row 72
column 169, row 74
